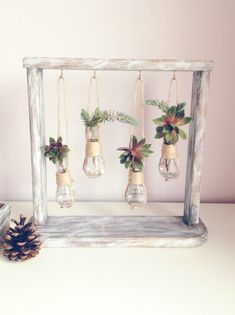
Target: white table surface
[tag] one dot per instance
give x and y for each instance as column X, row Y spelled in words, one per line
column 129, row 281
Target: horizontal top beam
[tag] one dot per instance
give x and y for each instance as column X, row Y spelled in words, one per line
column 118, row 64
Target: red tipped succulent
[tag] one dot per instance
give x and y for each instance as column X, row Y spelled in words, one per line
column 134, row 155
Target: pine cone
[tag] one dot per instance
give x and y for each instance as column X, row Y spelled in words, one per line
column 22, row 241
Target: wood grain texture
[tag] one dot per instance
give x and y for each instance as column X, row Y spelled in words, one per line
column 195, row 147
column 37, row 136
column 118, row 64
column 107, row 231
column 5, row 212
column 121, row 231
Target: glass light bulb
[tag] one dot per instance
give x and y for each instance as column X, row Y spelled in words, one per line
column 65, row 196
column 65, row 193
column 136, row 193
column 93, row 164
column 168, row 168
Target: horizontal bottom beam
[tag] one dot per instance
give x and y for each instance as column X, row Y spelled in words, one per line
column 121, row 231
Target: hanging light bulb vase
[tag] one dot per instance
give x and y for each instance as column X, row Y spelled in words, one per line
column 57, row 153
column 169, row 128
column 65, row 194
column 93, row 165
column 135, row 194
column 169, row 164
column 133, row 157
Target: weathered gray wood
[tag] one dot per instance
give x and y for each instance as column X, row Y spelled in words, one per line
column 195, row 147
column 37, row 136
column 5, row 212
column 121, row 231
column 143, row 231
column 118, row 64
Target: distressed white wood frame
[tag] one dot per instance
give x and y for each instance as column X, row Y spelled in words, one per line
column 201, row 74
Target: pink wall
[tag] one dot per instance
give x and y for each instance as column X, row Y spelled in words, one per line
column 183, row 29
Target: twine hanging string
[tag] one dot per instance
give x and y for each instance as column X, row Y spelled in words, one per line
column 138, row 177
column 93, row 148
column 173, row 79
column 61, row 89
column 93, row 79
column 138, row 84
column 170, row 151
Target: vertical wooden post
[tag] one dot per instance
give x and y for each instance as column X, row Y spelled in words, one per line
column 37, row 135
column 195, row 147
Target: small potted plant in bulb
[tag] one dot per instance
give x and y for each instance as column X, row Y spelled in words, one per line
column 57, row 153
column 94, row 165
column 168, row 128
column 133, row 158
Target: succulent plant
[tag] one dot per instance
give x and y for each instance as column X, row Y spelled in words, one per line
column 168, row 125
column 56, row 151
column 160, row 104
column 134, row 155
column 101, row 116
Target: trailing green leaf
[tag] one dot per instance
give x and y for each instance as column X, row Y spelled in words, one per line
column 182, row 134
column 180, row 106
column 159, row 131
column 184, row 121
column 102, row 116
column 158, row 121
column 160, row 104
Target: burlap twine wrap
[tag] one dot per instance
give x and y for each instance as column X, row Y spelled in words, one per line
column 169, row 151
column 93, row 148
column 63, row 179
column 136, row 178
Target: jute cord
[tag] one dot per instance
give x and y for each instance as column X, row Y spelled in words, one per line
column 136, row 178
column 93, row 148
column 138, row 84
column 93, row 79
column 173, row 79
column 63, row 179
column 61, row 82
column 169, row 151
column 61, row 88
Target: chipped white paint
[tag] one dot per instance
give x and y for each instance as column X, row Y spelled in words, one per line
column 37, row 133
column 121, row 231
column 5, row 212
column 118, row 64
column 195, row 148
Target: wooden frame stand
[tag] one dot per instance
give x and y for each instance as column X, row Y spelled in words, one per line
column 147, row 231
